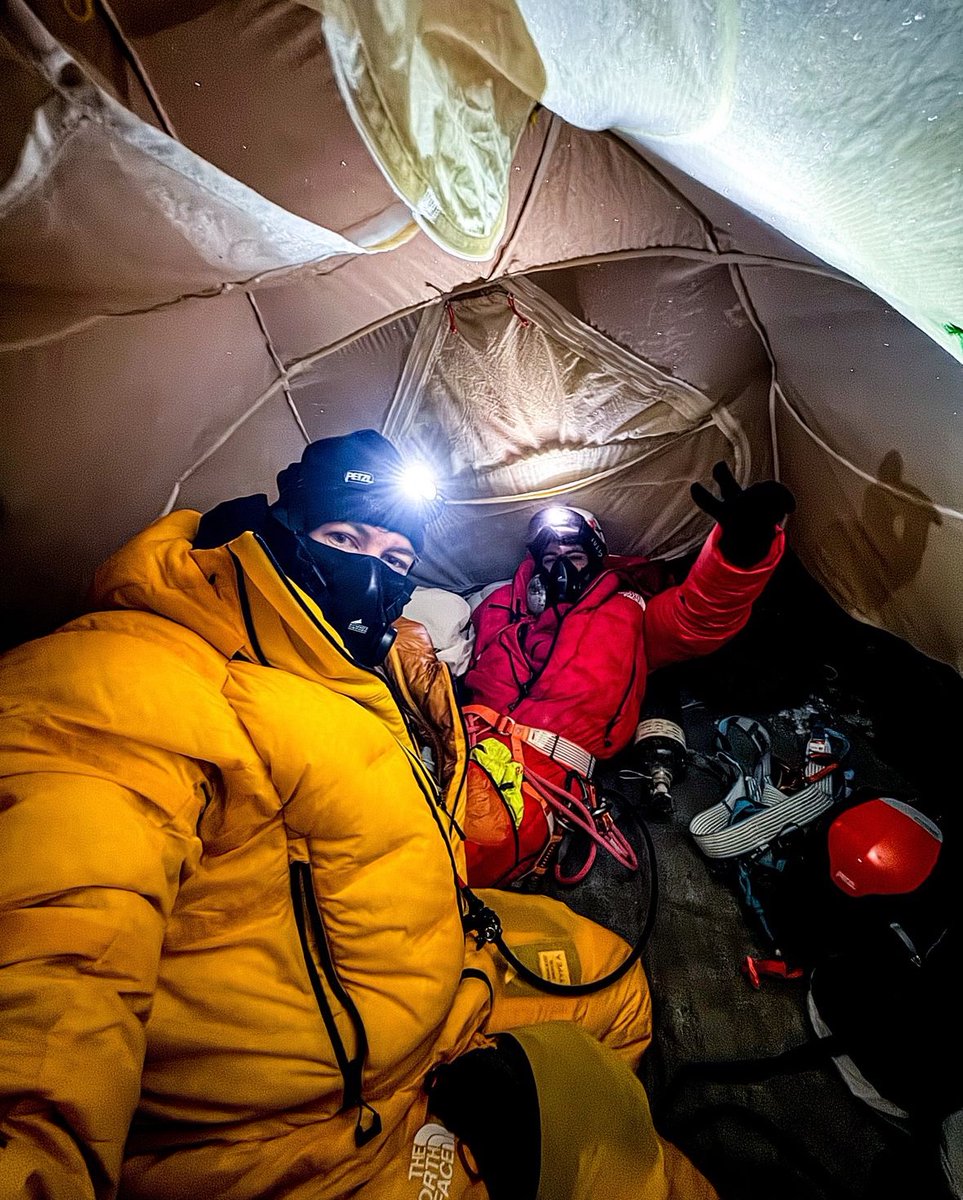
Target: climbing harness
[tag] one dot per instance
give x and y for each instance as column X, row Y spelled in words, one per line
column 578, row 808
column 752, row 833
column 538, row 808
column 755, row 811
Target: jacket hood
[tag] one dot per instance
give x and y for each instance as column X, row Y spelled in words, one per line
column 157, row 571
column 237, row 599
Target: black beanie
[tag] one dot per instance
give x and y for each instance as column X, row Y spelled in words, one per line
column 350, row 478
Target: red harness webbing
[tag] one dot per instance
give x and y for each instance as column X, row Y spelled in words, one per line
column 568, row 809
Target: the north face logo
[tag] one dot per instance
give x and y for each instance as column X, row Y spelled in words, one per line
column 432, row 1162
column 357, row 626
column 358, row 477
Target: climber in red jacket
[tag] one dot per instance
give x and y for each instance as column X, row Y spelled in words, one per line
column 563, row 650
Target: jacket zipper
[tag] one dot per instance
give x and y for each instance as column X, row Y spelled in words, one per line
column 525, row 689
column 245, row 604
column 522, row 686
column 458, row 719
column 410, row 715
column 457, row 792
column 305, row 902
column 307, row 916
column 414, row 722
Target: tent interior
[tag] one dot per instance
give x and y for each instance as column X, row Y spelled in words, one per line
column 227, row 229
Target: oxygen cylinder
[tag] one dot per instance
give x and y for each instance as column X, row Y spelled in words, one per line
column 659, row 754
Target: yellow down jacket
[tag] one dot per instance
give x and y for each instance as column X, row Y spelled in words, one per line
column 231, row 940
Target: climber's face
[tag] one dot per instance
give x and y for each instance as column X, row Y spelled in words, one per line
column 570, row 550
column 354, row 537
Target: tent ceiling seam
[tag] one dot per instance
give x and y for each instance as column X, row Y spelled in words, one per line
column 735, row 435
column 430, row 332
column 281, row 384
column 721, row 257
column 276, row 274
column 773, row 440
column 281, row 369
column 691, row 252
column 298, row 365
column 139, row 70
column 930, row 505
column 742, row 292
column 218, row 443
column 657, row 177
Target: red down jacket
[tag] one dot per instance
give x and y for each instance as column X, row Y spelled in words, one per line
column 581, row 673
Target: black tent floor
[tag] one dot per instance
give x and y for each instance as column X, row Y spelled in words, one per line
column 802, row 1134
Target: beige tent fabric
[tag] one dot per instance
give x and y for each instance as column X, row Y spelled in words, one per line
column 682, row 315
column 513, row 401
column 203, row 140
column 95, row 432
column 886, row 550
column 440, row 93
column 186, row 227
column 873, row 442
column 593, row 196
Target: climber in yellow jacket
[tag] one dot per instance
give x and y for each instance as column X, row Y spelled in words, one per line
column 231, row 921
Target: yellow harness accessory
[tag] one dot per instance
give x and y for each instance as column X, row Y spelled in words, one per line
column 495, row 759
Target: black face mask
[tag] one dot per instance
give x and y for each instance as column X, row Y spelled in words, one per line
column 561, row 583
column 360, row 595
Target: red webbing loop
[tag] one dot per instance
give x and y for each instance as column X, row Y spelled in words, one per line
column 772, row 968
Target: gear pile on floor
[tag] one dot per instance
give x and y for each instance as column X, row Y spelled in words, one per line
column 724, row 990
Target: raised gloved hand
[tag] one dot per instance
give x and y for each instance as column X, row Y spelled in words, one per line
column 748, row 516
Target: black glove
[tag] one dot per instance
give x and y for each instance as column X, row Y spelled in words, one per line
column 489, row 1100
column 748, row 516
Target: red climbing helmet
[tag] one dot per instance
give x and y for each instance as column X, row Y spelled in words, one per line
column 882, row 847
